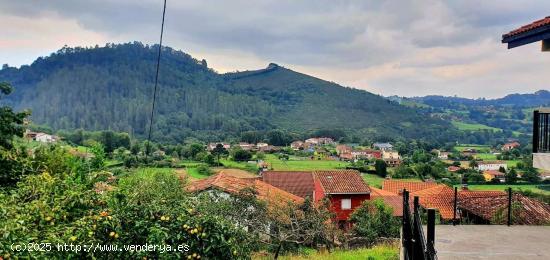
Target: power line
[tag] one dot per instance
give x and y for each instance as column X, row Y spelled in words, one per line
column 156, row 78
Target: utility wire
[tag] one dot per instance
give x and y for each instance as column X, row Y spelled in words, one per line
column 156, row 79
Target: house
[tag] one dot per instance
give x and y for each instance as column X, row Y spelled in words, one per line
column 534, row 32
column 434, row 195
column 223, row 186
column 247, row 146
column 346, row 191
column 491, row 209
column 493, row 174
column 45, row 138
column 391, row 158
column 299, row 183
column 315, row 141
column 391, row 199
column 491, row 165
column 443, row 155
column 211, row 146
column 383, row 146
column 297, row 145
column 453, row 168
column 366, row 154
column 510, row 146
column 268, row 148
column 343, row 149
column 347, row 157
column 261, row 145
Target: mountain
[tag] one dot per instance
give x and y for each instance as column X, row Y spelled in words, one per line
column 511, row 114
column 111, row 87
column 539, row 98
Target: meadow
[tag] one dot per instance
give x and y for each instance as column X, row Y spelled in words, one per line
column 536, row 188
column 302, row 164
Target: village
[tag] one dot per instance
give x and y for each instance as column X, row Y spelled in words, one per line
column 349, row 174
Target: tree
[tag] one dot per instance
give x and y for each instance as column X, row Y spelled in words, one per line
column 473, row 164
column 11, row 125
column 241, row 155
column 381, row 168
column 531, row 175
column 218, row 151
column 373, row 220
column 511, row 177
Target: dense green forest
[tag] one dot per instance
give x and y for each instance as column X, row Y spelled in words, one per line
column 110, row 88
column 509, row 116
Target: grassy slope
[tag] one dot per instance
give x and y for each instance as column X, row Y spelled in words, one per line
column 532, row 187
column 473, row 127
column 294, row 164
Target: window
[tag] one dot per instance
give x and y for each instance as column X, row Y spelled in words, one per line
column 346, row 203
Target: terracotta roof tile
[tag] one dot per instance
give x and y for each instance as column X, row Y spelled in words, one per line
column 298, row 183
column 397, row 186
column 230, row 184
column 528, row 27
column 341, row 181
column 529, row 212
column 391, row 199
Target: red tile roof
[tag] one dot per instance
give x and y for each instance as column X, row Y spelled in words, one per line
column 397, row 186
column 230, row 184
column 453, row 168
column 391, row 199
column 528, row 212
column 528, row 27
column 341, row 182
column 298, row 183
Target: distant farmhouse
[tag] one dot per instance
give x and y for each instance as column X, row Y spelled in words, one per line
column 491, row 165
column 383, row 146
column 510, row 146
column 41, row 137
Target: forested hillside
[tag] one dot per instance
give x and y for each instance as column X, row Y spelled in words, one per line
column 111, row 88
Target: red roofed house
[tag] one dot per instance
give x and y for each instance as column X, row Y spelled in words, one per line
column 510, row 146
column 453, row 168
column 391, row 199
column 226, row 185
column 345, row 189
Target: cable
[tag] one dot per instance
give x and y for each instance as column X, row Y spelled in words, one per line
column 156, row 79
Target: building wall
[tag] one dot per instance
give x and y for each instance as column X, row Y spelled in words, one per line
column 344, row 214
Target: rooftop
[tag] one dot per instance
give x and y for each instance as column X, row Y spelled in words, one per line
column 342, row 181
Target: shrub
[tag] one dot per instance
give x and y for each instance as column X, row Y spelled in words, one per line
column 373, row 220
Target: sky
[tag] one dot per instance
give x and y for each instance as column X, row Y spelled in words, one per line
column 400, row 47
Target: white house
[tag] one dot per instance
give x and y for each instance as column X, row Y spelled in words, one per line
column 491, row 165
column 383, row 146
column 45, row 138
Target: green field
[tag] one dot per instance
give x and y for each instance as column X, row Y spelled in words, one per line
column 250, row 167
column 373, row 180
column 192, row 172
column 542, row 188
column 486, row 156
column 480, row 148
column 381, row 252
column 473, row 127
column 298, row 164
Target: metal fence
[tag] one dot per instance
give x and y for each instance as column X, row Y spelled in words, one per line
column 414, row 243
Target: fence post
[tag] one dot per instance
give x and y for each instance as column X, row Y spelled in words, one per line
column 431, row 227
column 454, row 206
column 509, row 206
column 416, row 204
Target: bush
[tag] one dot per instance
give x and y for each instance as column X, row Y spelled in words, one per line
column 373, row 220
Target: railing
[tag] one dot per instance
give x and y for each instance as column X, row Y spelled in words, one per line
column 413, row 241
column 541, row 131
